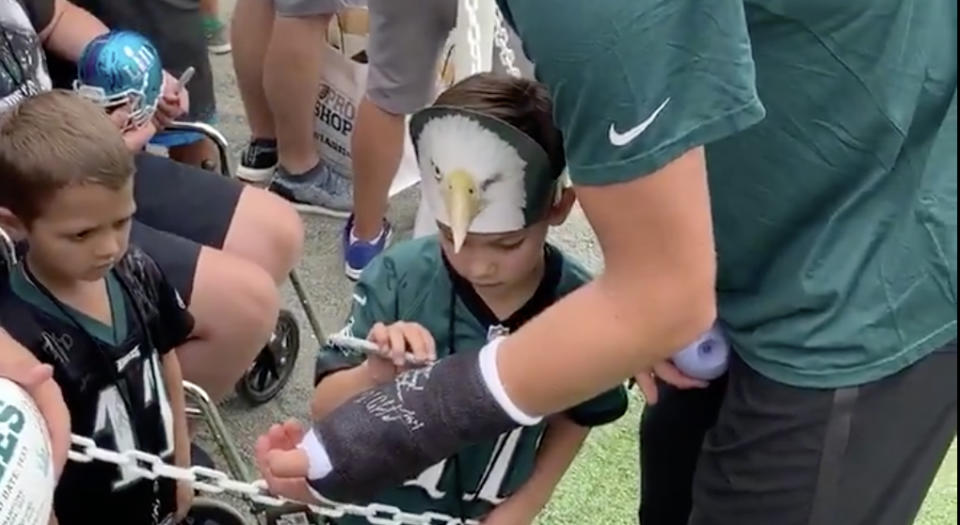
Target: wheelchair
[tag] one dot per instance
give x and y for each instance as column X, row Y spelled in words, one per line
column 274, row 365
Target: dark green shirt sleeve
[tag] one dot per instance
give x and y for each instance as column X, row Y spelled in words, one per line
column 374, row 300
column 637, row 83
column 601, row 410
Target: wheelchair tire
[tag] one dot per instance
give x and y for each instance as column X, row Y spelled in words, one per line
column 206, row 511
column 272, row 368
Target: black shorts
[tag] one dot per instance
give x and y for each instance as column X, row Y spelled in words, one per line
column 179, row 209
column 750, row 451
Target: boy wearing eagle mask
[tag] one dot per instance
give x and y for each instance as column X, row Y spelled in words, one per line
column 491, row 163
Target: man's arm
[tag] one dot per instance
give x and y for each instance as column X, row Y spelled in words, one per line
column 656, row 292
column 17, row 362
column 69, row 31
column 639, row 87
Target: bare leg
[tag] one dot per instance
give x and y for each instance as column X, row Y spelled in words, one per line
column 210, row 7
column 291, row 75
column 267, row 231
column 250, row 32
column 377, row 148
column 235, row 304
column 202, row 154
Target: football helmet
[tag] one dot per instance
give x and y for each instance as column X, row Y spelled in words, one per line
column 118, row 68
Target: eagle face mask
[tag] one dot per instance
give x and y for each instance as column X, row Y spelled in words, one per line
column 479, row 173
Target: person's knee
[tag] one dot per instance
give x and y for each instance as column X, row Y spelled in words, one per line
column 234, row 298
column 235, row 304
column 268, row 231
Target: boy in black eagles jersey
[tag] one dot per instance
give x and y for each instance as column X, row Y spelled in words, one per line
column 99, row 311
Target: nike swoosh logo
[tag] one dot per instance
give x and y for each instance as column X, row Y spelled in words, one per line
column 622, row 139
column 359, row 299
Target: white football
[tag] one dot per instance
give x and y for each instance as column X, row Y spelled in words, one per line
column 26, row 463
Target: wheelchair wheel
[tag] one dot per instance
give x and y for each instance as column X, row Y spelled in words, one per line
column 273, row 367
column 206, row 511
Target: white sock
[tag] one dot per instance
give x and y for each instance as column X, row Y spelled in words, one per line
column 491, row 376
column 353, row 238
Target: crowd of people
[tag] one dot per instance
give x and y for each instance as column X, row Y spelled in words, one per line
column 784, row 172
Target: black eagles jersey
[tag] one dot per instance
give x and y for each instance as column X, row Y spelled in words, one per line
column 112, row 383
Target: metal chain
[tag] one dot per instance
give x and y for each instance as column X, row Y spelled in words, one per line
column 473, row 35
column 212, row 481
column 502, row 40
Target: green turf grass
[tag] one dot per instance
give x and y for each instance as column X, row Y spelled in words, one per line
column 601, row 486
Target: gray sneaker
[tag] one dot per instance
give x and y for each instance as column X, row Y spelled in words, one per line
column 321, row 191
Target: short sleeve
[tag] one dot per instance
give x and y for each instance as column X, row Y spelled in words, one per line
column 170, row 322
column 40, row 12
column 601, row 410
column 174, row 323
column 374, row 300
column 636, row 83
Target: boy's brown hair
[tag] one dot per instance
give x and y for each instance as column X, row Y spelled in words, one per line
column 523, row 103
column 53, row 140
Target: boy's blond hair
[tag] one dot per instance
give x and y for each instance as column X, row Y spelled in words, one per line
column 54, row 140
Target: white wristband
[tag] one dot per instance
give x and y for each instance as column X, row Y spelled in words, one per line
column 319, row 460
column 491, row 376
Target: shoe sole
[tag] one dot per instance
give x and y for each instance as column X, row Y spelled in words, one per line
column 255, row 174
column 311, row 209
column 221, row 49
column 352, row 273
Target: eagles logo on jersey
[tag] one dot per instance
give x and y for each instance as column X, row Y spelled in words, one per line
column 112, row 382
column 118, row 68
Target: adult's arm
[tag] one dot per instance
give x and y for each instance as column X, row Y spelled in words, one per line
column 69, row 30
column 639, row 88
column 18, row 364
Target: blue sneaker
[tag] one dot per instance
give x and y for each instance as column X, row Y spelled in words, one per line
column 320, row 190
column 357, row 253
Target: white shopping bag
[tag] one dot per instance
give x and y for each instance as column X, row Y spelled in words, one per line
column 341, row 88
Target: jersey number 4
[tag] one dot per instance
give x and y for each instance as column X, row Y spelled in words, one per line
column 113, row 419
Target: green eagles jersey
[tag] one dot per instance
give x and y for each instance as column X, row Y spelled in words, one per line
column 830, row 131
column 412, row 282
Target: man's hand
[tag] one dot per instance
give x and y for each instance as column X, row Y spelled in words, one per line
column 666, row 371
column 394, row 340
column 283, row 466
column 174, row 102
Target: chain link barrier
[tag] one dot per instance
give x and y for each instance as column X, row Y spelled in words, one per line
column 211, row 481
column 501, row 39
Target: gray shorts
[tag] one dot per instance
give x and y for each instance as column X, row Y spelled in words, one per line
column 406, row 39
column 312, row 7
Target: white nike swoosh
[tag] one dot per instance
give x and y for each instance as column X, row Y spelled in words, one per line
column 361, row 300
column 622, row 139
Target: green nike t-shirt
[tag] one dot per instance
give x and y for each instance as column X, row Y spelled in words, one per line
column 830, row 132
